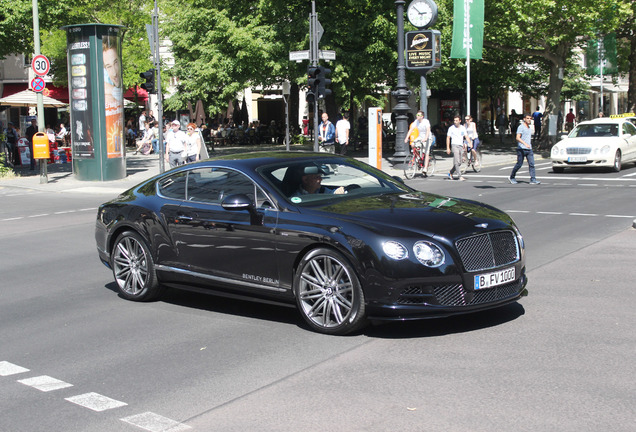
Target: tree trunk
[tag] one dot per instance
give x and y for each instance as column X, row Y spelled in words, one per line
column 631, row 91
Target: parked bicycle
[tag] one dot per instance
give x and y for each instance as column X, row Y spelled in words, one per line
column 414, row 163
column 470, row 158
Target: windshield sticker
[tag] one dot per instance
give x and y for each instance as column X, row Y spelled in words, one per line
column 296, row 200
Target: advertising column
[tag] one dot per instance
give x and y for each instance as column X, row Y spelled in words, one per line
column 96, row 101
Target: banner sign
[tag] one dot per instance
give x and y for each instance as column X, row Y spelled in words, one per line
column 468, row 28
column 602, row 50
column 423, row 50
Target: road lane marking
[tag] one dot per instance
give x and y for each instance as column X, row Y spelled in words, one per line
column 155, row 423
column 549, row 213
column 45, row 383
column 7, row 369
column 582, row 214
column 96, row 402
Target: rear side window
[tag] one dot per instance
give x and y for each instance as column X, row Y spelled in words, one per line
column 212, row 185
column 173, row 186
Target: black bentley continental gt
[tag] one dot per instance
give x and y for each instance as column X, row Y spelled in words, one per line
column 344, row 241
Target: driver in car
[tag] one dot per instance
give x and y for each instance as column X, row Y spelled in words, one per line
column 311, row 183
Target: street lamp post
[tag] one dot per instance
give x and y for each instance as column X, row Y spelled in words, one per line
column 286, row 91
column 401, row 92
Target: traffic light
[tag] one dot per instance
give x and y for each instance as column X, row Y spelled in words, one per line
column 312, row 73
column 149, row 76
column 322, row 82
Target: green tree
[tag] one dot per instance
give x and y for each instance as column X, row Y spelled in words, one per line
column 16, row 31
column 546, row 32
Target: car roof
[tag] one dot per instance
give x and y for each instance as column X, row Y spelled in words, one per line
column 605, row 120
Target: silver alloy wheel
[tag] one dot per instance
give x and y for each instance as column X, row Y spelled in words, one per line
column 130, row 266
column 326, row 292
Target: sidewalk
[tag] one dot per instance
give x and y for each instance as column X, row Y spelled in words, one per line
column 140, row 167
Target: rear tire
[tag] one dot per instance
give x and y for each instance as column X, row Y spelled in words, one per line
column 134, row 268
column 432, row 162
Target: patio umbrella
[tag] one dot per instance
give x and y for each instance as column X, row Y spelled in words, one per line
column 244, row 114
column 199, row 113
column 230, row 109
column 27, row 98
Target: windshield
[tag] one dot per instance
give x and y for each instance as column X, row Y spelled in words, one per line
column 595, row 130
column 318, row 181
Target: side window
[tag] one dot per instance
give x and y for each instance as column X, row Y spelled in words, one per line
column 212, row 185
column 629, row 128
column 173, row 186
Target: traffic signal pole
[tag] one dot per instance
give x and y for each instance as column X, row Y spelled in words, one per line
column 155, row 28
column 313, row 59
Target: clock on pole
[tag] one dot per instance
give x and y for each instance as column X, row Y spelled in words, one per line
column 422, row 13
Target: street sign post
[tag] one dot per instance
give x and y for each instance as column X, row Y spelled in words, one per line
column 298, row 56
column 40, row 65
column 37, row 84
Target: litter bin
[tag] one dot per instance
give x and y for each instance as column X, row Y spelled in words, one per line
column 40, row 146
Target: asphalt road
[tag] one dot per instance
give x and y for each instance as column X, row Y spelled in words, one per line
column 76, row 357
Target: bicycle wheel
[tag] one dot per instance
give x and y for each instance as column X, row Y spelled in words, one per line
column 411, row 165
column 463, row 166
column 477, row 161
column 431, row 165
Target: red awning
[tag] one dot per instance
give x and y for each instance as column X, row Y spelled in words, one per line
column 9, row 89
column 142, row 95
column 59, row 93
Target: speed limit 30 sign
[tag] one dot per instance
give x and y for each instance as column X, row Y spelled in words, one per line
column 40, row 65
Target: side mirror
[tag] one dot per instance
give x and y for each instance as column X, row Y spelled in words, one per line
column 242, row 202
column 237, row 202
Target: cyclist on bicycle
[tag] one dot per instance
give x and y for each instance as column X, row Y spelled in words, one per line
column 471, row 129
column 419, row 134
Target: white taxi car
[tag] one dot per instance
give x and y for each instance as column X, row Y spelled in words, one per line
column 602, row 142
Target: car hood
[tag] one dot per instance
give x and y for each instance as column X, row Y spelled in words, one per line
column 593, row 142
column 424, row 213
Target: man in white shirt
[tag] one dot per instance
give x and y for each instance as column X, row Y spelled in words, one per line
column 142, row 120
column 175, row 144
column 455, row 138
column 342, row 133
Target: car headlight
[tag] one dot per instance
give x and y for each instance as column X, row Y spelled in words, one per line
column 605, row 149
column 555, row 151
column 395, row 250
column 428, row 254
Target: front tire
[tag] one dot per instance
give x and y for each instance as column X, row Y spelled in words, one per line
column 617, row 161
column 477, row 161
column 463, row 164
column 410, row 166
column 328, row 293
column 134, row 268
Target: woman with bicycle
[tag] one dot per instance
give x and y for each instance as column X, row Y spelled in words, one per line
column 471, row 129
column 420, row 132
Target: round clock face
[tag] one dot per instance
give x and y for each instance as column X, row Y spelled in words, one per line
column 421, row 12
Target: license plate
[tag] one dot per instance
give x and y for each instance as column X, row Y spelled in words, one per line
column 489, row 280
column 577, row 159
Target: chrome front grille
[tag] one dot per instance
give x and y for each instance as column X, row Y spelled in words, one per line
column 489, row 250
column 578, row 150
